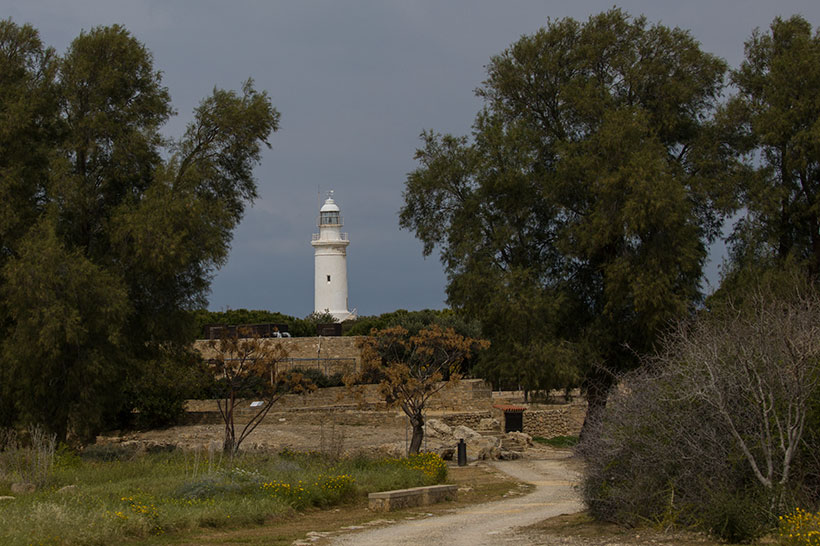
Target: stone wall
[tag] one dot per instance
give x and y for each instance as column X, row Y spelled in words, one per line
column 559, row 421
column 471, row 419
column 329, row 354
column 467, row 394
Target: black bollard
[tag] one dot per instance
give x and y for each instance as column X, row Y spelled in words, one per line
column 462, row 453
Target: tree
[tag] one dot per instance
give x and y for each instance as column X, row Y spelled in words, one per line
column 68, row 316
column 774, row 117
column 582, row 206
column 28, row 112
column 411, row 367
column 246, row 366
column 296, row 327
column 140, row 222
column 712, row 431
column 413, row 321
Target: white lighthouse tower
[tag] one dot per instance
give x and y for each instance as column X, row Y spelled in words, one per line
column 330, row 275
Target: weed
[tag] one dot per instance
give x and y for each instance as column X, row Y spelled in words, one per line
column 800, row 528
column 121, row 497
column 557, row 441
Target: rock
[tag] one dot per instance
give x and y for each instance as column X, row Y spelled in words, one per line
column 391, row 450
column 517, row 441
column 67, row 489
column 466, row 433
column 447, row 453
column 490, row 423
column 488, row 453
column 159, row 447
column 439, row 429
column 509, row 455
column 23, row 488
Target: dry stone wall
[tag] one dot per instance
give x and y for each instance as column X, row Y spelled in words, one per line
column 329, row 354
column 471, row 419
column 549, row 423
column 468, row 394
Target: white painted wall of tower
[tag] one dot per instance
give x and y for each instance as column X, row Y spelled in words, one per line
column 330, row 263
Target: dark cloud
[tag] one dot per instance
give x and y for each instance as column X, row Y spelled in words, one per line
column 356, row 83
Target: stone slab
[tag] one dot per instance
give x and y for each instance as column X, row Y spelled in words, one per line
column 387, row 501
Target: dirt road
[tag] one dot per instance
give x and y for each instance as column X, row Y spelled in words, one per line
column 491, row 523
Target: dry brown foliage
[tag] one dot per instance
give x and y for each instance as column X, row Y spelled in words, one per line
column 412, row 368
column 245, row 363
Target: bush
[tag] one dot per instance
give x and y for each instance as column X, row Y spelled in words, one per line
column 800, row 528
column 320, row 379
column 708, row 433
column 430, row 464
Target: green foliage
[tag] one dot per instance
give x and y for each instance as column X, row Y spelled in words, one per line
column 138, row 497
column 773, row 122
column 109, row 232
column 736, row 516
column 430, row 464
column 156, row 392
column 69, row 314
column 574, row 222
column 296, row 327
column 413, row 321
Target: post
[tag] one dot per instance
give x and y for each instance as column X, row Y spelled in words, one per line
column 462, row 453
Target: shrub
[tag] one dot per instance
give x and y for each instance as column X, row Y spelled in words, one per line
column 109, row 452
column 708, row 433
column 324, row 490
column 430, row 464
column 29, row 458
column 800, row 528
column 320, row 379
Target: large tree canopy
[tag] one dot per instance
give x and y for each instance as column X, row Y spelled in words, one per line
column 575, row 220
column 108, row 231
column 776, row 119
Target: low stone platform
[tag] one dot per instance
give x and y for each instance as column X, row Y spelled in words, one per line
column 387, row 501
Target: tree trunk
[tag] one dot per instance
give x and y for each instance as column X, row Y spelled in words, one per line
column 229, row 445
column 417, row 421
column 597, row 386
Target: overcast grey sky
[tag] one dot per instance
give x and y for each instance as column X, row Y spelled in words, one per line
column 356, row 82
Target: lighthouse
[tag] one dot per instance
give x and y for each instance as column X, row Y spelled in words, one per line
column 330, row 263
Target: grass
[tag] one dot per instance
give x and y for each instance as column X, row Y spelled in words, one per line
column 477, row 483
column 586, row 531
column 125, row 497
column 557, row 441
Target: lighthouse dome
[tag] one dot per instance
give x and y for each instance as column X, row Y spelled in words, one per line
column 329, row 206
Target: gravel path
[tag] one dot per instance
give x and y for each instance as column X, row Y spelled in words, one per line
column 491, row 523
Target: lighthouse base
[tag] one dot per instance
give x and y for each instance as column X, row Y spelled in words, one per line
column 340, row 316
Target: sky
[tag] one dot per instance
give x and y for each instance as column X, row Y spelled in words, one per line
column 356, row 83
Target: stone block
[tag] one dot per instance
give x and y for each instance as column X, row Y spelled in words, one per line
column 388, row 501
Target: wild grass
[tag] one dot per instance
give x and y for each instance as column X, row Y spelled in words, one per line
column 557, row 441
column 121, row 496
